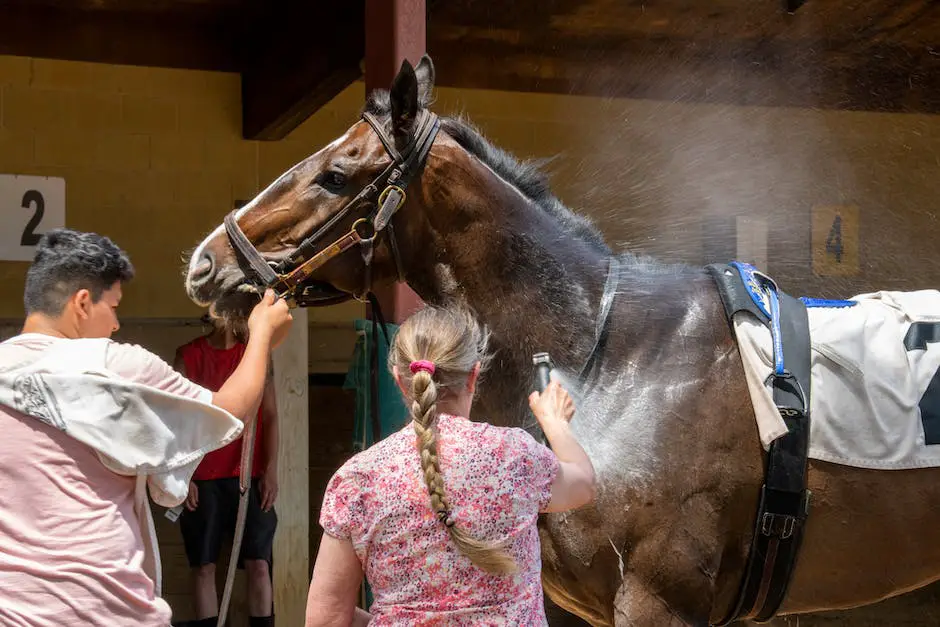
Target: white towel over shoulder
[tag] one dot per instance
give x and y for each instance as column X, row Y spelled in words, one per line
column 135, row 429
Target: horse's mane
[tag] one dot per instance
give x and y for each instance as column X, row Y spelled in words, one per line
column 526, row 176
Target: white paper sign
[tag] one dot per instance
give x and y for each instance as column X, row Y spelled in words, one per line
column 29, row 206
column 752, row 241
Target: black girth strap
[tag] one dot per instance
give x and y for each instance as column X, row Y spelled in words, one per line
column 784, row 499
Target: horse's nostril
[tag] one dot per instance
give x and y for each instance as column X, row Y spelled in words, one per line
column 203, row 269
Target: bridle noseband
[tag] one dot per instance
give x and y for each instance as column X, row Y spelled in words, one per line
column 386, row 194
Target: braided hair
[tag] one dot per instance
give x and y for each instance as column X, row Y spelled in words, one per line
column 438, row 348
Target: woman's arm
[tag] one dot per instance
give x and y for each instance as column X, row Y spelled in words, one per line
column 574, row 484
column 337, row 575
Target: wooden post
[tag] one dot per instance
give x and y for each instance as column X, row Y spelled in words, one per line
column 395, row 30
column 292, row 540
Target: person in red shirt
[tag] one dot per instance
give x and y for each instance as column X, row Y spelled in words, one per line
column 213, row 494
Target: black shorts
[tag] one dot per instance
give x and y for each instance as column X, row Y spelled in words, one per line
column 214, row 518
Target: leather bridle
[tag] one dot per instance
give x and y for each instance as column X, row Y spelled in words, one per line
column 290, row 277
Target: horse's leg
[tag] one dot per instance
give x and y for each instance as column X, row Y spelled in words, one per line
column 637, row 606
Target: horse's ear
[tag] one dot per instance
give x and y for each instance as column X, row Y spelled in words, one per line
column 404, row 100
column 425, row 73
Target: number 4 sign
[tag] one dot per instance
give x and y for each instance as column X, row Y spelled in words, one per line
column 29, row 206
column 835, row 240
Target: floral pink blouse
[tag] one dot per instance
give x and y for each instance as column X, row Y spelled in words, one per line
column 497, row 480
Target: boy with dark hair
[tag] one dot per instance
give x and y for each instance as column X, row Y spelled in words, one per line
column 87, row 425
column 67, row 262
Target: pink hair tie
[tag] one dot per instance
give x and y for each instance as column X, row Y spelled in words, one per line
column 422, row 364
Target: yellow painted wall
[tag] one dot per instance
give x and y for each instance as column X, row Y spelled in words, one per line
column 154, row 158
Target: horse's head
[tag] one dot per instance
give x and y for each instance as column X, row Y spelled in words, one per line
column 309, row 234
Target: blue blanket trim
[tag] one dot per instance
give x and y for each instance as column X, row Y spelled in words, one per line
column 826, row 302
column 775, row 333
column 763, row 291
column 756, row 291
column 753, row 286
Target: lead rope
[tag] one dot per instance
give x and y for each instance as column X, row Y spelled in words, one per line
column 244, row 486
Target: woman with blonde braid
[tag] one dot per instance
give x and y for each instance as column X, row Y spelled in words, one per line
column 441, row 516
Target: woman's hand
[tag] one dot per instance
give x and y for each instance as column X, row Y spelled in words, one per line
column 553, row 407
column 574, row 484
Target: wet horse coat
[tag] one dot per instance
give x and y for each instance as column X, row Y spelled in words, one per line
column 666, row 416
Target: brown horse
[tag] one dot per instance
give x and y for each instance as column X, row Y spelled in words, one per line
column 666, row 416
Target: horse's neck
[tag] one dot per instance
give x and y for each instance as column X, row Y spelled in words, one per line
column 536, row 287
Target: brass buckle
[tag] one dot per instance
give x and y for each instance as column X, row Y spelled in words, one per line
column 388, row 190
column 355, row 229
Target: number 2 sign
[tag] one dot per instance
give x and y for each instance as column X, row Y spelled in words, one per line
column 835, row 240
column 29, row 206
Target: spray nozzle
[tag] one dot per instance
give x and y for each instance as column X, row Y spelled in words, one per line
column 543, row 369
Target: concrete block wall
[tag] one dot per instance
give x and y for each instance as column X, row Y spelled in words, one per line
column 152, row 157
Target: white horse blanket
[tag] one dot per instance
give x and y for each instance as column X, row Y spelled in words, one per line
column 875, row 399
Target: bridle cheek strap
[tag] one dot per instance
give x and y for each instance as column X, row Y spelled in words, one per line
column 247, row 253
column 287, row 277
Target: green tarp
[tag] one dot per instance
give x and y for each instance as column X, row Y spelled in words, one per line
column 393, row 413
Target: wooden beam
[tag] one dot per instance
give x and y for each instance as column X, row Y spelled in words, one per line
column 179, row 7
column 846, row 54
column 798, row 73
column 297, row 60
column 113, row 37
column 291, row 554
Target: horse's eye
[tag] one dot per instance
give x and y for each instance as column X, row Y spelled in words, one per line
column 332, row 181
